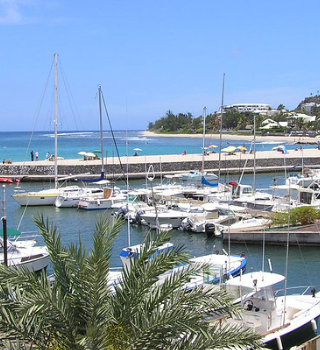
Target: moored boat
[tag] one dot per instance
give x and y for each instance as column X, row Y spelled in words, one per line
column 282, row 321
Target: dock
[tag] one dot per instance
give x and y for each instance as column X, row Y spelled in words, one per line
column 307, row 235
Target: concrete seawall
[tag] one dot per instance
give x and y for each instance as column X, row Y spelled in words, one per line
column 269, row 161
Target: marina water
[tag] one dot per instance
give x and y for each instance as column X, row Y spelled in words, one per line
column 304, row 262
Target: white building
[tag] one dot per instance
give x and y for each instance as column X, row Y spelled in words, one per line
column 306, row 118
column 261, row 108
column 269, row 124
column 309, row 106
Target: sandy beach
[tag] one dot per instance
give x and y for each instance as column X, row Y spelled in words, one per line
column 237, row 137
column 171, row 158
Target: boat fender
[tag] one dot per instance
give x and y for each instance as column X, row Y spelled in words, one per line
column 279, row 343
column 314, row 325
column 98, row 201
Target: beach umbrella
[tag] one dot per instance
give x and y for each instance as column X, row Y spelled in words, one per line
column 90, row 154
column 213, row 146
column 229, row 149
column 280, row 148
column 97, row 151
column 242, row 148
column 276, row 148
column 137, row 149
column 82, row 153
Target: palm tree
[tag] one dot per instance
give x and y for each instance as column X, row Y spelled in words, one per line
column 79, row 310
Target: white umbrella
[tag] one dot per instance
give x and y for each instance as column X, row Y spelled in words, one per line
column 82, row 153
column 137, row 149
column 90, row 154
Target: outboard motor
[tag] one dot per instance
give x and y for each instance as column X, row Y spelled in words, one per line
column 209, row 228
column 138, row 217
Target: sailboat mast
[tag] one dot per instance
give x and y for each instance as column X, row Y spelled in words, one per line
column 204, row 137
column 220, row 138
column 101, row 131
column 254, row 154
column 56, row 122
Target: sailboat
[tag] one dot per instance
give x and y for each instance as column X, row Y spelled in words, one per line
column 47, row 196
column 111, row 194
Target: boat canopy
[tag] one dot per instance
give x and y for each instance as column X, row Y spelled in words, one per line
column 11, row 232
column 256, row 280
column 204, row 181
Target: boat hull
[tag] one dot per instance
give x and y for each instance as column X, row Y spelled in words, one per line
column 292, row 339
column 35, row 199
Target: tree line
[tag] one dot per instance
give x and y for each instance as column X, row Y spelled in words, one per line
column 186, row 123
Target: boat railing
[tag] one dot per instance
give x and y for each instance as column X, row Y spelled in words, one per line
column 303, row 290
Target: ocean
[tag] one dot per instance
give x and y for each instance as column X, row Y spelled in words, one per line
column 304, row 262
column 18, row 145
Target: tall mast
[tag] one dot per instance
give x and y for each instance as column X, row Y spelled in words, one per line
column 204, row 136
column 56, row 122
column 221, row 117
column 254, row 154
column 101, row 131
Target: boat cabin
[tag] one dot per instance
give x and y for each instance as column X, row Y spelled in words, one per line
column 239, row 190
column 309, row 196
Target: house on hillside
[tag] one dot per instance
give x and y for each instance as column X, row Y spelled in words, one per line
column 259, row 108
column 269, row 124
column 304, row 117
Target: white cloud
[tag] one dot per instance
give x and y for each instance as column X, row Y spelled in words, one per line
column 12, row 12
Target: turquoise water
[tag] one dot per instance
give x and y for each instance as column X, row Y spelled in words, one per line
column 18, row 145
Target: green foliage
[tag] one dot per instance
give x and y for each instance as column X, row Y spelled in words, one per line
column 81, row 311
column 304, row 215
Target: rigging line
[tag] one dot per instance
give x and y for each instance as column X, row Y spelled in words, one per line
column 37, row 113
column 113, row 137
column 73, row 106
column 245, row 164
column 22, row 216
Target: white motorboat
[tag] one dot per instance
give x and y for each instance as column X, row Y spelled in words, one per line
column 241, row 225
column 207, row 221
column 112, row 195
column 26, row 254
column 71, row 199
column 245, row 195
column 218, row 267
column 280, row 320
column 166, row 216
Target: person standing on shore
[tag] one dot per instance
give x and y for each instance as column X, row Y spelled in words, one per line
column 31, row 155
column 37, row 155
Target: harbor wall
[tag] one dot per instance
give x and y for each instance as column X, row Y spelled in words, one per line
column 161, row 164
column 307, row 238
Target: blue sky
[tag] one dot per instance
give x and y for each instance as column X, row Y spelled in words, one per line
column 150, row 56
